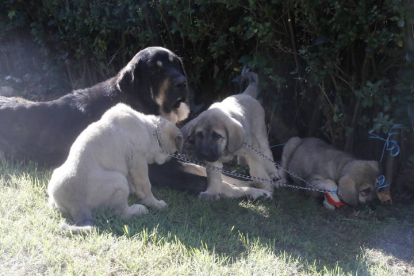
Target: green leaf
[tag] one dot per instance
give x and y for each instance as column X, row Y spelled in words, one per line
column 401, row 23
column 358, row 93
column 12, row 14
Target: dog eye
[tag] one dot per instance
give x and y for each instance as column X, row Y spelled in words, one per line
column 199, row 134
column 216, row 136
column 366, row 191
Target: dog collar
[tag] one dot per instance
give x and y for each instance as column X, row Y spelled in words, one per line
column 337, row 204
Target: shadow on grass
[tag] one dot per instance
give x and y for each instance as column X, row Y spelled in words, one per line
column 290, row 223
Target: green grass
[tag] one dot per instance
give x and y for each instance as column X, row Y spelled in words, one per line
column 289, row 235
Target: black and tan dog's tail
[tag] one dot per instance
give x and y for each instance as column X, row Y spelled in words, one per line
column 253, row 84
column 288, row 151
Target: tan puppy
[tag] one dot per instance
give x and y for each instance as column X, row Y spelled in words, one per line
column 107, row 162
column 328, row 168
column 218, row 134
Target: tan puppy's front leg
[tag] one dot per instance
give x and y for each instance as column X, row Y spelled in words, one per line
column 140, row 180
column 258, row 169
column 214, row 183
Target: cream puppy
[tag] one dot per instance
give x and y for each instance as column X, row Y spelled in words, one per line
column 107, row 162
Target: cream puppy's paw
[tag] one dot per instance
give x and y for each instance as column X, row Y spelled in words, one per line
column 160, row 204
column 137, row 209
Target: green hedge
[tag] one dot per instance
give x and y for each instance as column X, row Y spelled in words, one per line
column 331, row 68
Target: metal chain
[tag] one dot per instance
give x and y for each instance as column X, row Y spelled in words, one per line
column 187, row 160
column 283, row 168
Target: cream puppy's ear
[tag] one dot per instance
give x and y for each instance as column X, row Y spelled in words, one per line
column 347, row 191
column 179, row 141
column 235, row 135
column 175, row 137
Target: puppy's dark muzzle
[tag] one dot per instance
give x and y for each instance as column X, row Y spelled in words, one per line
column 207, row 156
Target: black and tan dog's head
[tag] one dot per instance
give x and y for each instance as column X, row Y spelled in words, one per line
column 154, row 82
column 214, row 133
column 358, row 183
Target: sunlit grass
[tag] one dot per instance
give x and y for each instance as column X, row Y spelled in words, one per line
column 289, row 235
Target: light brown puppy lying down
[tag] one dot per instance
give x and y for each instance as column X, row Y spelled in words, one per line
column 328, row 168
column 107, row 162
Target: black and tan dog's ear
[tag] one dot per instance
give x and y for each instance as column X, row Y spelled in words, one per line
column 235, row 135
column 188, row 131
column 126, row 77
column 182, row 67
column 347, row 191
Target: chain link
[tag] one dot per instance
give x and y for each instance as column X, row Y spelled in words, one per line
column 183, row 158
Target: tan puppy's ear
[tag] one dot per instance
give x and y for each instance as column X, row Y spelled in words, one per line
column 347, row 191
column 375, row 165
column 235, row 135
column 188, row 130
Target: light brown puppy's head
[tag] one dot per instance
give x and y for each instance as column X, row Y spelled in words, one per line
column 358, row 182
column 170, row 137
column 214, row 133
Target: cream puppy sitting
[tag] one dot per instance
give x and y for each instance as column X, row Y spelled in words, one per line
column 107, row 162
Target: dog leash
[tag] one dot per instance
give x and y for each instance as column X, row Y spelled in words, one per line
column 389, row 145
column 183, row 158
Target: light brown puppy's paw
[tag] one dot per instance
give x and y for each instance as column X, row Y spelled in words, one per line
column 209, row 196
column 260, row 194
column 160, row 204
column 328, row 205
column 274, row 176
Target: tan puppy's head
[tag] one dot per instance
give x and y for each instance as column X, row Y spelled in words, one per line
column 170, row 137
column 358, row 183
column 213, row 133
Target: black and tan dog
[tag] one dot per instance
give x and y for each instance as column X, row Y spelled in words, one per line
column 153, row 82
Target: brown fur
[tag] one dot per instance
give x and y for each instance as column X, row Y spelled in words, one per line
column 326, row 167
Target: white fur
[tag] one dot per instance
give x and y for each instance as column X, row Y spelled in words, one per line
column 108, row 161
